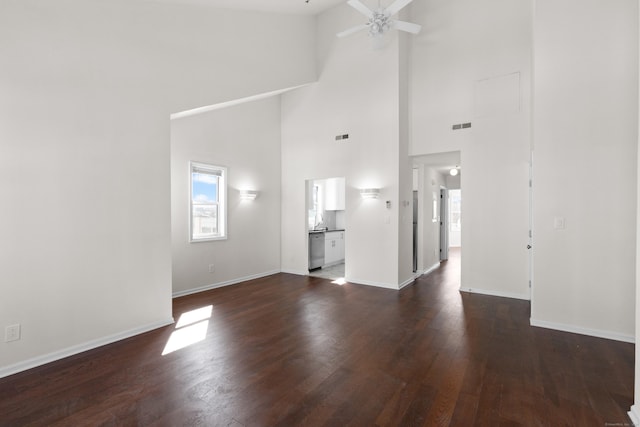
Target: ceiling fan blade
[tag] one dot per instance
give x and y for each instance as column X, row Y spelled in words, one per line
column 407, row 26
column 352, row 30
column 396, row 6
column 357, row 5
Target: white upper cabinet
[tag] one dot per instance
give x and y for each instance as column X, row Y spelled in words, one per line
column 334, row 194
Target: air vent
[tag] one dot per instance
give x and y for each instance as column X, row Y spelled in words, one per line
column 461, row 126
column 341, row 137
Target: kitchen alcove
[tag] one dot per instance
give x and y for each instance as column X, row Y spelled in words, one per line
column 326, row 227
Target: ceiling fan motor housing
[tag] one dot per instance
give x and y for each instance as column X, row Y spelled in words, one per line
column 379, row 23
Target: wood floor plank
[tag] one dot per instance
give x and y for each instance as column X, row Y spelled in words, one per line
column 289, row 350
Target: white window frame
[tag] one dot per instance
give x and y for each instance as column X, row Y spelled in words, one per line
column 221, row 173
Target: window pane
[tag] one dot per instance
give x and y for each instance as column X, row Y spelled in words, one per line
column 204, row 221
column 455, row 204
column 208, row 202
column 204, row 188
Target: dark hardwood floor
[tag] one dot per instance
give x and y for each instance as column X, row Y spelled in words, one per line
column 289, row 350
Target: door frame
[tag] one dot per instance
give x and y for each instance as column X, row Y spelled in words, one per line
column 444, row 223
column 530, row 236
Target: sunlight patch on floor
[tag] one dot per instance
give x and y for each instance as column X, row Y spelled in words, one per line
column 340, row 281
column 194, row 316
column 191, row 328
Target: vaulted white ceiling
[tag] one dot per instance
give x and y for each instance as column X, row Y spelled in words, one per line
column 298, row 7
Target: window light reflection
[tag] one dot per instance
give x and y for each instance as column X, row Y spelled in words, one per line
column 191, row 328
column 341, row 281
column 186, row 336
column 194, row 316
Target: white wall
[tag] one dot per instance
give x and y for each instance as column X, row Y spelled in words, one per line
column 585, row 161
column 87, row 89
column 246, row 140
column 405, row 166
column 465, row 69
column 453, row 182
column 357, row 93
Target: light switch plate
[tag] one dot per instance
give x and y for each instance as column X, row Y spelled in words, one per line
column 559, row 223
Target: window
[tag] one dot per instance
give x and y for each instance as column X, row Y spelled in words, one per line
column 455, row 210
column 315, row 212
column 208, row 202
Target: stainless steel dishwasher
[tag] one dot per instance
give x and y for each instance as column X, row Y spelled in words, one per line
column 316, row 250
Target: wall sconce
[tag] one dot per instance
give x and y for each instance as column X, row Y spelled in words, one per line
column 370, row 193
column 248, row 195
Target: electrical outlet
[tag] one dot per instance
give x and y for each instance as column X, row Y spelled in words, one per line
column 12, row 333
column 211, row 268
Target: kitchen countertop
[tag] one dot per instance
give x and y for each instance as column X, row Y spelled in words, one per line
column 326, row 231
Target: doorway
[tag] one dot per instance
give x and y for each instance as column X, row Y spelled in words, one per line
column 326, row 227
column 450, row 222
column 455, row 218
column 433, row 180
column 454, row 222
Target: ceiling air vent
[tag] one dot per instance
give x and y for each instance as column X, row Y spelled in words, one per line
column 341, row 137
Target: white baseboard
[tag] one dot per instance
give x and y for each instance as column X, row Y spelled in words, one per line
column 408, row 281
column 495, row 293
column 370, row 283
column 418, row 274
column 374, row 284
column 70, row 351
column 225, row 283
column 583, row 331
column 430, row 269
column 634, row 415
column 353, row 281
column 296, row 272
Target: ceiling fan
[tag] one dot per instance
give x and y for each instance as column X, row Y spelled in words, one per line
column 380, row 20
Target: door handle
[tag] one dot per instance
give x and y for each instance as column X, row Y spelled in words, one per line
column 528, row 246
